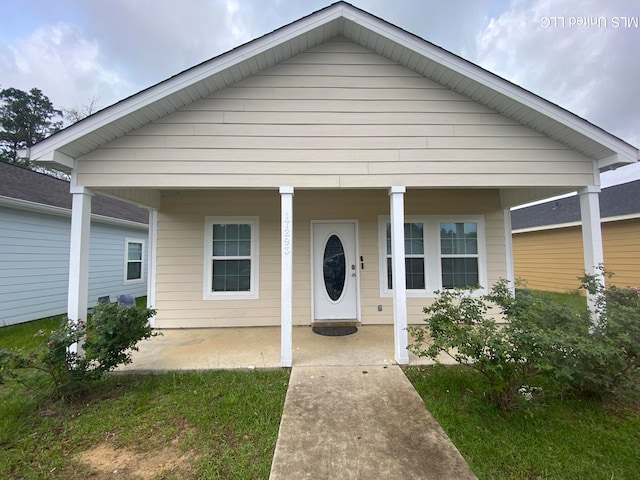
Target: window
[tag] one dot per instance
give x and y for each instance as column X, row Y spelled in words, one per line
column 440, row 252
column 413, row 256
column 459, row 254
column 230, row 258
column 133, row 261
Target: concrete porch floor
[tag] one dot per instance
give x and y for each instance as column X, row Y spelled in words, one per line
column 259, row 347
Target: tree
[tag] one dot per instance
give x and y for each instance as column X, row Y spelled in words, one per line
column 73, row 115
column 25, row 119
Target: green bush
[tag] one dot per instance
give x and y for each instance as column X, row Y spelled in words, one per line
column 607, row 359
column 106, row 342
column 508, row 356
column 540, row 338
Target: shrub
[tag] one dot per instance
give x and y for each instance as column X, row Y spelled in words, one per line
column 106, row 342
column 540, row 338
column 606, row 360
column 508, row 356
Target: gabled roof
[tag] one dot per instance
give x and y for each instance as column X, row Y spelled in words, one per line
column 616, row 201
column 338, row 20
column 25, row 185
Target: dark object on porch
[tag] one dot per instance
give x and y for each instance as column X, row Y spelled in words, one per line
column 335, row 330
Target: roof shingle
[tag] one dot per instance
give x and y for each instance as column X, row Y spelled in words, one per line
column 24, row 184
column 623, row 199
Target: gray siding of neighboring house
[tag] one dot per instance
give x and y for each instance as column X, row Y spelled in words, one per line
column 34, row 264
column 107, row 262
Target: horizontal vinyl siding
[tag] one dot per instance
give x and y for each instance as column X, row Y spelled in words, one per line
column 181, row 242
column 180, row 260
column 553, row 260
column 34, row 264
column 337, row 116
column 106, row 262
column 622, row 251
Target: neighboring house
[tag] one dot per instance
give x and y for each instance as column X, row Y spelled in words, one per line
column 35, row 232
column 547, row 240
column 297, row 177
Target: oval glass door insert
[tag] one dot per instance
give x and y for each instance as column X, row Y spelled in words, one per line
column 334, row 267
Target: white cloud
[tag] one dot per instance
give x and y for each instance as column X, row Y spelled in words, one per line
column 68, row 65
column 589, row 70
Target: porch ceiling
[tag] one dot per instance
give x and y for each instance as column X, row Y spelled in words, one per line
column 338, row 20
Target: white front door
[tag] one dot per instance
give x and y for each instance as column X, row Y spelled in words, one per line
column 335, row 271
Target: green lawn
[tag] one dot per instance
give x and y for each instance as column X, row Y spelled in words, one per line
column 557, row 438
column 221, row 424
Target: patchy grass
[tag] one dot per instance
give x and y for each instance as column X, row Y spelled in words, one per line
column 215, row 424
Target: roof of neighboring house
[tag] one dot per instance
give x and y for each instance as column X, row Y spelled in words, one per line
column 618, row 200
column 338, row 20
column 31, row 186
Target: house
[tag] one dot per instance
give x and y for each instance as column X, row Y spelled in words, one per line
column 35, row 231
column 296, row 178
column 547, row 243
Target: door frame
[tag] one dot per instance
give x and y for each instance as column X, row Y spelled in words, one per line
column 356, row 235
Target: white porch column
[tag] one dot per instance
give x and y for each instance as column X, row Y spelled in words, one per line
column 79, row 256
column 591, row 235
column 152, row 262
column 508, row 244
column 400, row 334
column 286, row 282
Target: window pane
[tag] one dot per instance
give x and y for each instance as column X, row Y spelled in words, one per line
column 219, row 248
column 244, row 232
column 413, row 245
column 134, row 251
column 460, row 273
column 459, row 238
column 231, row 249
column 415, row 273
column 134, row 270
column 388, row 239
column 413, row 239
column 244, row 248
column 231, row 231
column 232, row 240
column 231, row 275
column 219, row 232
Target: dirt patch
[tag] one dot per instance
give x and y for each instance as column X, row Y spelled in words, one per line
column 109, row 462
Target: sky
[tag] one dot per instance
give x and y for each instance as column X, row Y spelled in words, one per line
column 579, row 54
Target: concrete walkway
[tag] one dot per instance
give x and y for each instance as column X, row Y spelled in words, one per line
column 360, row 422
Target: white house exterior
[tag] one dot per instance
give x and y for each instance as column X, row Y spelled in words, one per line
column 35, row 233
column 297, row 177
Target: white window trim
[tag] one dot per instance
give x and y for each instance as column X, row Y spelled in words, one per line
column 208, row 293
column 382, row 236
column 127, row 242
column 433, row 263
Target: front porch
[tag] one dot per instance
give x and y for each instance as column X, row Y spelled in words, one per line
column 259, row 347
